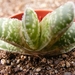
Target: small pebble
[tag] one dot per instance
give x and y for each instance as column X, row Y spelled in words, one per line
column 73, row 63
column 56, row 62
column 50, row 62
column 17, row 69
column 8, row 62
column 73, row 54
column 36, row 73
column 48, row 68
column 24, row 70
column 43, row 60
column 74, row 73
column 12, row 63
column 52, row 65
column 23, row 57
column 64, row 55
column 8, row 67
column 29, row 58
column 28, row 65
column 5, row 74
column 67, row 73
column 62, row 63
column 3, row 61
column 67, row 64
column 38, row 69
column 21, row 68
column 18, row 61
column 18, row 65
column 56, row 71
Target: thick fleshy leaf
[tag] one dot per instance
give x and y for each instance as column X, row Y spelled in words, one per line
column 11, row 32
column 10, row 48
column 31, row 28
column 55, row 24
column 67, row 42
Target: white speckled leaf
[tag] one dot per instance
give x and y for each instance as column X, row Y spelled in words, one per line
column 31, row 28
column 67, row 42
column 8, row 47
column 11, row 32
column 55, row 24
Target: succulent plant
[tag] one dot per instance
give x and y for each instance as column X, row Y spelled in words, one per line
column 53, row 35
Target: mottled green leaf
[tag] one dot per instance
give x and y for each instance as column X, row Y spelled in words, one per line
column 55, row 24
column 31, row 28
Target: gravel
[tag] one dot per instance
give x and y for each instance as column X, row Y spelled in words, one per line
column 67, row 73
column 19, row 64
column 3, row 61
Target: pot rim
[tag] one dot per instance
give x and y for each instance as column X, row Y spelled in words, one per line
column 40, row 13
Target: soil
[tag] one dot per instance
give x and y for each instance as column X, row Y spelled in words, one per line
column 19, row 64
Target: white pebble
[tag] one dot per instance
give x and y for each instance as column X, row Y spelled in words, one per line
column 3, row 61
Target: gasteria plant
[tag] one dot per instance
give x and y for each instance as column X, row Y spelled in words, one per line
column 53, row 35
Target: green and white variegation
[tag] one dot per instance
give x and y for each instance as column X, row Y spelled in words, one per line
column 53, row 35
